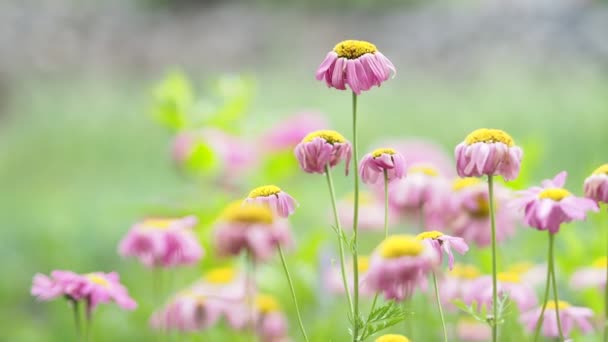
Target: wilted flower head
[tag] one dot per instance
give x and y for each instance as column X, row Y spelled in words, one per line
column 371, row 212
column 290, row 132
column 509, row 284
column 163, row 242
column 596, row 185
column 547, row 207
column 593, row 276
column 355, row 63
column 488, row 152
column 271, row 196
column 321, row 149
column 443, row 243
column 569, row 317
column 392, row 338
column 374, row 164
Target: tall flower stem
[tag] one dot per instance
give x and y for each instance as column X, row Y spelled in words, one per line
column 494, row 283
column 74, row 304
column 445, row 332
column 293, row 293
column 606, row 304
column 332, row 194
column 539, row 323
column 249, row 291
column 555, row 294
column 355, row 227
column 385, row 204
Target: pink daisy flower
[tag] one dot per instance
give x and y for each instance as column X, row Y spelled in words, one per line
column 163, row 242
column 321, row 149
column 456, row 283
column 188, row 311
column 355, row 63
column 398, row 265
column 444, row 243
column 252, row 229
column 593, row 276
column 333, row 279
column 510, row 284
column 570, row 316
column 547, row 207
column 104, row 288
column 471, row 330
column 488, row 152
column 60, row 283
column 371, row 213
column 280, row 202
column 288, row 133
column 374, row 164
column 423, row 152
column 271, row 322
column 596, row 185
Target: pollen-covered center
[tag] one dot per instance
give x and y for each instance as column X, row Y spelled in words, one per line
column 264, row 191
column 601, row 263
column 426, row 170
column 353, row 49
column 97, row 279
column 267, row 303
column 220, row 275
column 379, row 152
column 363, row 264
column 429, row 235
column 465, row 271
column 331, row 137
column 400, row 245
column 158, row 223
column 489, row 136
column 556, row 194
column 602, row 170
column 560, row 305
column 462, row 183
column 248, row 213
column 392, row 338
column 508, row 277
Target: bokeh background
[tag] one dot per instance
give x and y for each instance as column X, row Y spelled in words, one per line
column 82, row 155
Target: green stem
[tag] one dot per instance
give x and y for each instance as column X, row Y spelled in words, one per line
column 445, row 332
column 539, row 323
column 494, row 283
column 385, row 204
column 332, row 194
column 76, row 318
column 249, row 295
column 355, row 227
column 606, row 305
column 293, row 293
column 555, row 294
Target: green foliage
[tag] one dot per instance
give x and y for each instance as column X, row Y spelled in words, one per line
column 173, row 99
column 381, row 318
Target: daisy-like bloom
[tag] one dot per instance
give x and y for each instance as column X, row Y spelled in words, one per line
column 392, row 338
column 104, row 288
column 596, row 185
column 187, row 311
column 471, row 330
column 333, row 278
column 510, row 284
column 444, row 243
column 488, row 152
column 271, row 322
column 288, row 133
column 355, row 63
column 374, row 164
column 593, row 276
column 456, row 283
column 60, row 283
column 321, row 149
column 163, row 242
column 547, row 207
column 250, row 228
column 531, row 274
column 423, row 187
column 271, row 196
column 569, row 317
column 468, row 211
column 371, row 212
column 398, row 265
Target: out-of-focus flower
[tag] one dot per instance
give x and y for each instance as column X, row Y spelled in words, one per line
column 456, row 283
column 187, row 311
column 596, row 185
column 60, row 283
column 470, row 212
column 104, row 288
column 355, row 63
column 423, row 152
column 333, row 278
column 321, row 149
column 398, row 265
column 471, row 330
column 532, row 274
column 271, row 322
column 547, row 207
column 488, row 152
column 163, row 242
column 271, row 196
column 444, row 243
column 593, row 276
column 569, row 317
column 252, row 229
column 509, row 284
column 392, row 338
column 375, row 164
column 371, row 212
column 288, row 133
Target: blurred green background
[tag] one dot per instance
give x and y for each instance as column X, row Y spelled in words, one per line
column 82, row 158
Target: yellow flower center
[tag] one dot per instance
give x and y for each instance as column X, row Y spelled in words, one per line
column 99, row 280
column 489, row 136
column 220, row 275
column 556, row 194
column 264, row 191
column 353, row 49
column 601, row 262
column 560, row 305
column 508, row 277
column 427, row 170
column 331, row 137
column 602, row 170
column 392, row 338
column 461, row 183
column 483, row 207
column 247, row 213
column 429, row 235
column 520, row 267
column 465, row 271
column 158, row 223
column 267, row 303
column 400, row 245
column 363, row 264
column 379, row 152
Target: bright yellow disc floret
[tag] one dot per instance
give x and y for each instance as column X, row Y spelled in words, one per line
column 264, row 191
column 508, row 277
column 392, row 338
column 267, row 303
column 247, row 213
column 377, row 153
column 353, row 49
column 400, row 245
column 429, row 235
column 489, row 136
column 602, row 170
column 331, row 137
column 560, row 305
column 461, row 183
column 556, row 194
column 220, row 275
column 465, row 271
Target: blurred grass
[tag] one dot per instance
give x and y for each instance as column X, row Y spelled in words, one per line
column 81, row 160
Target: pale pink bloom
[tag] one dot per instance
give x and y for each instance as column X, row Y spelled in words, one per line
column 444, row 243
column 104, row 288
column 163, row 242
column 375, row 164
column 371, row 213
column 188, row 312
column 596, row 185
column 593, row 276
column 509, row 284
column 280, row 202
column 423, row 152
column 60, row 283
column 531, row 274
column 332, row 277
column 290, row 132
column 570, row 316
column 399, row 265
column 271, row 323
column 456, row 283
column 547, row 207
column 357, row 64
column 321, row 149
column 470, row 330
column 488, row 152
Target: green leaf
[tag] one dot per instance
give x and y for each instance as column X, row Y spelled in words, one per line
column 236, row 93
column 172, row 99
column 202, row 159
column 381, row 318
